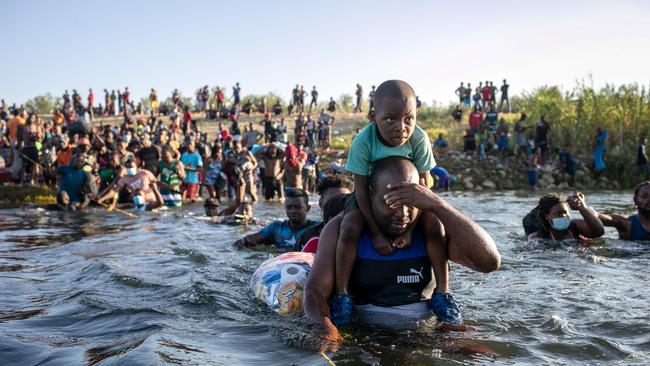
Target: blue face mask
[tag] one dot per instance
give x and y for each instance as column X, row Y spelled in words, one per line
column 131, row 171
column 561, row 223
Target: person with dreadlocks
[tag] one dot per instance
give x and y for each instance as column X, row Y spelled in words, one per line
column 637, row 226
column 551, row 219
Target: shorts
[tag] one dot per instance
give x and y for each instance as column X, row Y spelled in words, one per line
column 192, row 190
column 270, row 187
column 218, row 181
column 532, row 177
column 31, row 157
column 443, row 182
column 171, row 199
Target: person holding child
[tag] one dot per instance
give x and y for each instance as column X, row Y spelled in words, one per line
column 392, row 132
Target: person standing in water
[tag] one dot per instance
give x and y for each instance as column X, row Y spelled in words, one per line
column 393, row 132
column 637, row 226
column 394, row 284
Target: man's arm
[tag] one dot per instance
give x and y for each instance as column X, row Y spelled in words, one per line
column 250, row 240
column 159, row 199
column 320, row 282
column 468, row 243
column 591, row 226
column 618, row 222
column 111, row 192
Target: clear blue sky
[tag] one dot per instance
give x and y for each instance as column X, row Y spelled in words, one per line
column 50, row 46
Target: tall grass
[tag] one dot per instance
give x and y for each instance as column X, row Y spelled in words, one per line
column 624, row 111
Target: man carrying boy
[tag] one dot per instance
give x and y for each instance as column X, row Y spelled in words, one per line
column 392, row 132
column 395, row 284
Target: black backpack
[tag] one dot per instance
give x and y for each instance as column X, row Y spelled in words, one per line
column 532, row 222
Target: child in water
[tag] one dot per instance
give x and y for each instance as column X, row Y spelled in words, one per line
column 392, row 132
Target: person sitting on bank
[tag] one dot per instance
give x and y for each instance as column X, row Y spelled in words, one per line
column 395, row 283
column 637, row 226
column 283, row 233
column 551, row 219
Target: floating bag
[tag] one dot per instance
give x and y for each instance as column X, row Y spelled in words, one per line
column 279, row 281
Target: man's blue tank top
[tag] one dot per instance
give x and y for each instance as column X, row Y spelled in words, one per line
column 637, row 232
column 395, row 279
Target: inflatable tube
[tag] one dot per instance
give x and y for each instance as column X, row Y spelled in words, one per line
column 279, row 281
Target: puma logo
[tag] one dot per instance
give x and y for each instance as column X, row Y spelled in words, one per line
column 419, row 273
column 413, row 277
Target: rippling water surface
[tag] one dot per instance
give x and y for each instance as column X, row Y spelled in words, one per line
column 98, row 288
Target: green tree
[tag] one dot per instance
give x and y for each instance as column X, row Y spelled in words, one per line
column 42, row 104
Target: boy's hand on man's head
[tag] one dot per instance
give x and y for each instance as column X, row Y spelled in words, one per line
column 410, row 194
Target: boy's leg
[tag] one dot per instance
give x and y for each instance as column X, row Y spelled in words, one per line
column 346, row 253
column 346, row 248
column 442, row 302
column 436, row 246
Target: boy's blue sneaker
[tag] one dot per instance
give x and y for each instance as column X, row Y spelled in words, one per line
column 341, row 309
column 445, row 308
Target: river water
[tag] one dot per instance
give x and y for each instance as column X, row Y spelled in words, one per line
column 99, row 288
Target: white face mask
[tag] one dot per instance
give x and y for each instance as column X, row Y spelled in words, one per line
column 131, row 171
column 561, row 223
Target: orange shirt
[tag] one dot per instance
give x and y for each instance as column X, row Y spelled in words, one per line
column 13, row 126
column 64, row 156
column 58, row 118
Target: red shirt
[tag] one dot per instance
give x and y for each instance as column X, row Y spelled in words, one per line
column 487, row 93
column 91, row 99
column 475, row 119
column 187, row 117
column 311, row 246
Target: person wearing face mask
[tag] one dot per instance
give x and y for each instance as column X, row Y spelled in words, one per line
column 637, row 226
column 134, row 181
column 551, row 219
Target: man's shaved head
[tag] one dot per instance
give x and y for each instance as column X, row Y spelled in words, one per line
column 394, row 89
column 395, row 167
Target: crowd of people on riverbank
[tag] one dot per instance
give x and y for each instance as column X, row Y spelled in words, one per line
column 163, row 158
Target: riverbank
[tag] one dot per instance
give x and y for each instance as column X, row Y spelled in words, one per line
column 13, row 196
column 512, row 174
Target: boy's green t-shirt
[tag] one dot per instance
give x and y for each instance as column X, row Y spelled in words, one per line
column 366, row 148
